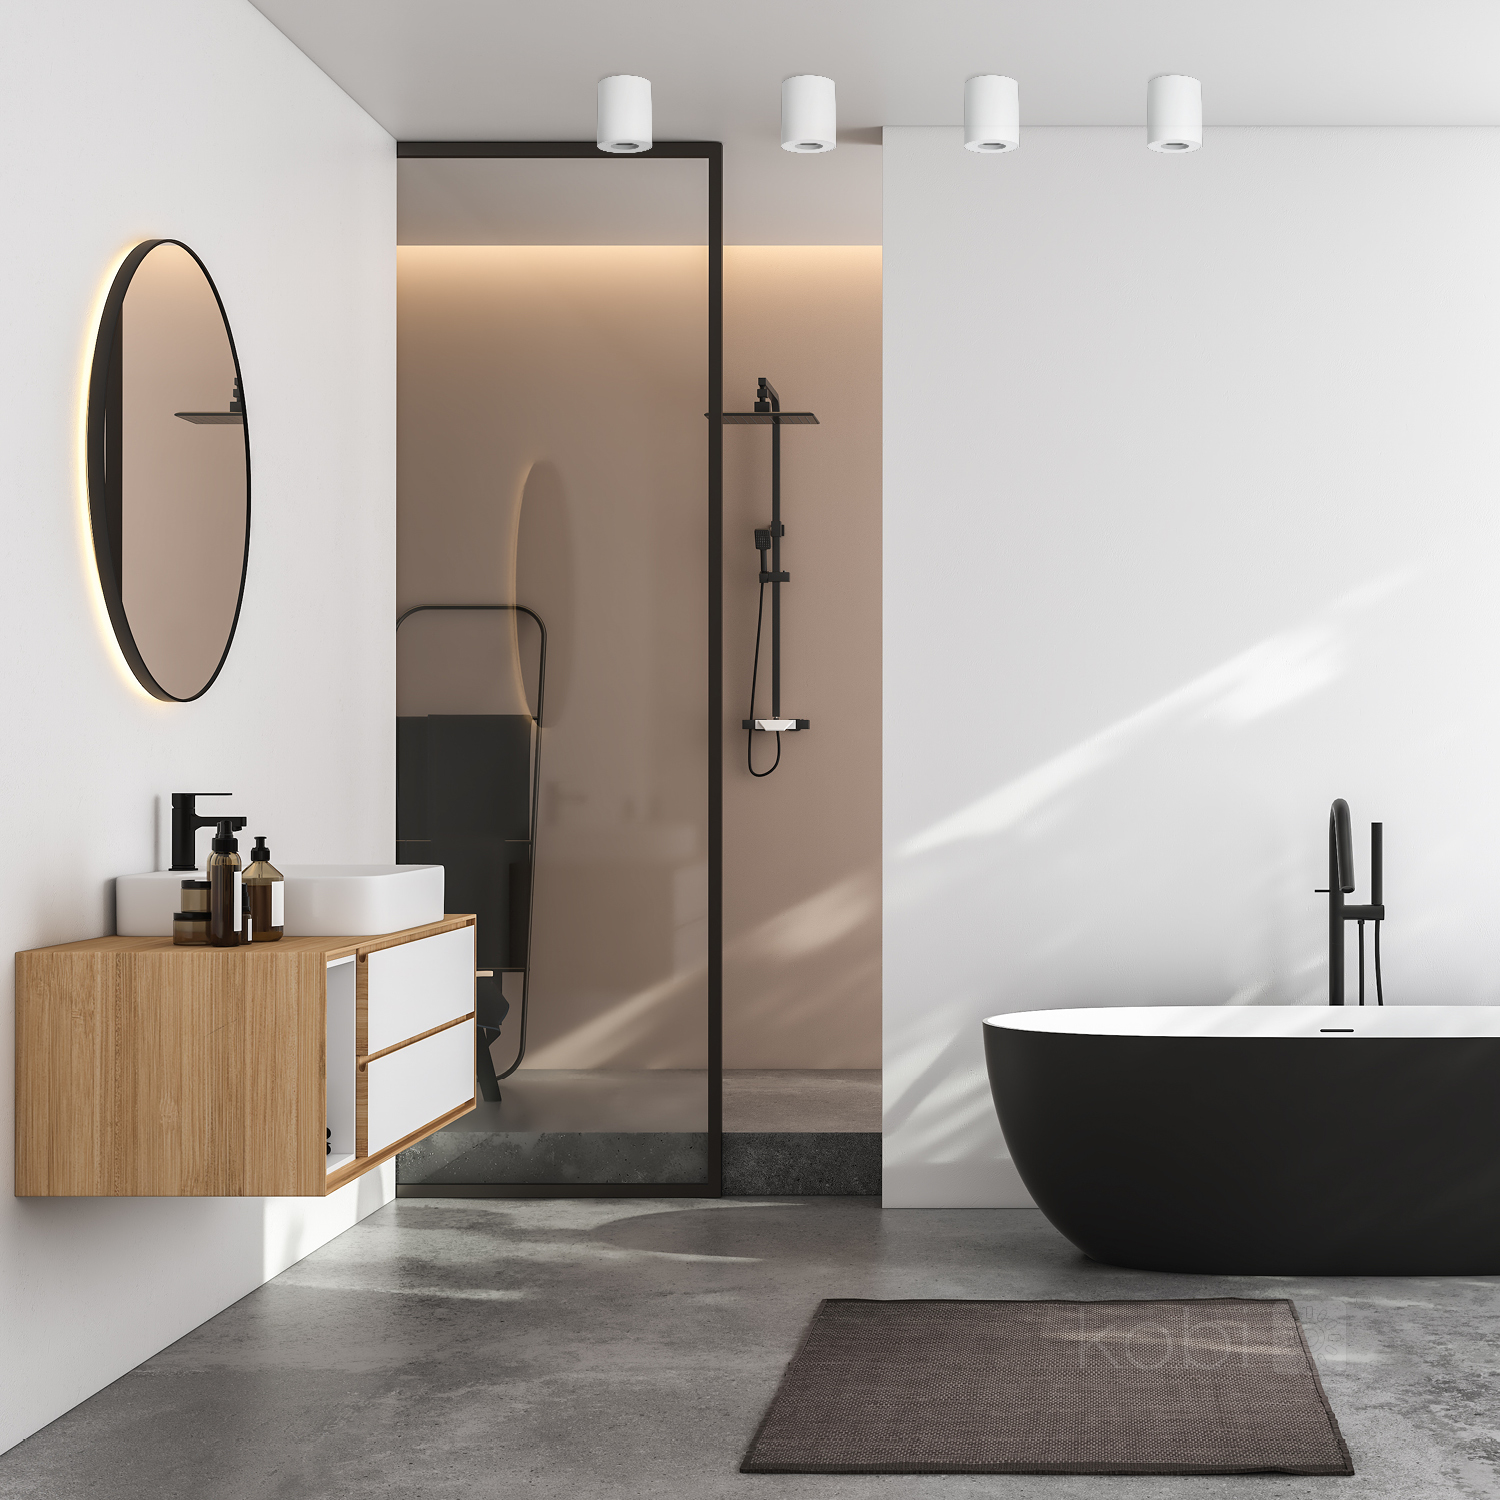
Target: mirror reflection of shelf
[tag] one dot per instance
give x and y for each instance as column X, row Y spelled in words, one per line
column 235, row 416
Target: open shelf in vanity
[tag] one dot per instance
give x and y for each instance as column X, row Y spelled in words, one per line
column 148, row 1070
column 343, row 1063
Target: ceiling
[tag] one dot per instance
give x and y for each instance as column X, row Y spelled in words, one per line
column 504, row 69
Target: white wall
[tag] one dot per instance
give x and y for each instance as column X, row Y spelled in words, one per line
column 1190, row 527
column 193, row 119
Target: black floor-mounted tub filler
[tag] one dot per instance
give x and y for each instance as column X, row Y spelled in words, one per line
column 1294, row 1140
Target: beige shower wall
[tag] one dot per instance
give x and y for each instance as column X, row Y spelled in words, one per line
column 524, row 369
column 802, row 846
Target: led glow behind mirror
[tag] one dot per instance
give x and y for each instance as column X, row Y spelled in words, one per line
column 168, row 470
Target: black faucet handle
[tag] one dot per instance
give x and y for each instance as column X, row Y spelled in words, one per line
column 186, row 821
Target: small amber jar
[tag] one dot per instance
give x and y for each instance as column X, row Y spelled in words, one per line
column 194, row 895
column 189, row 929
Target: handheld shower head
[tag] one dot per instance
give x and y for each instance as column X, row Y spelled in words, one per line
column 1343, row 843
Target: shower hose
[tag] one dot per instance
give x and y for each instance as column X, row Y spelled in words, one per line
column 760, row 615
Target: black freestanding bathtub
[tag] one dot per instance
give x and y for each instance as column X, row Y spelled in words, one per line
column 1274, row 1140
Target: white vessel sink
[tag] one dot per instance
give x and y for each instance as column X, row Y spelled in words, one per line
column 360, row 900
column 321, row 900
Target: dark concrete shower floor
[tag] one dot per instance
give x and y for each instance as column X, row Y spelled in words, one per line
column 463, row 1350
column 786, row 1131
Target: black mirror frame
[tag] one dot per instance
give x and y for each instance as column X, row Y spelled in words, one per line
column 104, row 495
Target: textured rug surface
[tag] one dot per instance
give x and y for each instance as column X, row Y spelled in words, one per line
column 1206, row 1386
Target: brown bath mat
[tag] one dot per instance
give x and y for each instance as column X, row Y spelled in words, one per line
column 1208, row 1386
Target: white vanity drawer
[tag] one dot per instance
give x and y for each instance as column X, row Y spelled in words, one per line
column 412, row 1086
column 416, row 986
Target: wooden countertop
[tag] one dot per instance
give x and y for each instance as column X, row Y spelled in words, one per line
column 331, row 947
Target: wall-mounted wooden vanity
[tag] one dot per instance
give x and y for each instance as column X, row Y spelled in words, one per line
column 144, row 1070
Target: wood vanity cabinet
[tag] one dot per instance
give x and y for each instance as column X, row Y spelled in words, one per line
column 145, row 1070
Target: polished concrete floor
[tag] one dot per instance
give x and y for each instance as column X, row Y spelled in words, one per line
column 448, row 1348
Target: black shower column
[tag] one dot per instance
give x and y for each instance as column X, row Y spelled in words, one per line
column 775, row 568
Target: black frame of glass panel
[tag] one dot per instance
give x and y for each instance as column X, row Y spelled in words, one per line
column 713, row 153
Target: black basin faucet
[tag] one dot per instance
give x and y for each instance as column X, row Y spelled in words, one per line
column 1340, row 884
column 185, row 824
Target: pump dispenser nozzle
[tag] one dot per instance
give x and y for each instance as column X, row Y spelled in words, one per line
column 224, row 840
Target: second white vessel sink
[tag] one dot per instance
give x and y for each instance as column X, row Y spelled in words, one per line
column 321, row 900
column 360, row 900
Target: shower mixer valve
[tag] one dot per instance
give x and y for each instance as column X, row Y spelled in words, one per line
column 763, row 536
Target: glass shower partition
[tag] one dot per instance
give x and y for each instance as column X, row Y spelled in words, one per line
column 561, row 756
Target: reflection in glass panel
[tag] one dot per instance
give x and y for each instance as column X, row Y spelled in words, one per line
column 554, row 454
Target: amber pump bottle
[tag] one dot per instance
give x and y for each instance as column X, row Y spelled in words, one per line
column 224, row 918
column 267, row 892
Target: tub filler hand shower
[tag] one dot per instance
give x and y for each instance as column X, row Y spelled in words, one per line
column 1340, row 884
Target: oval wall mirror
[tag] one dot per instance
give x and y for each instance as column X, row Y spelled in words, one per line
column 169, row 470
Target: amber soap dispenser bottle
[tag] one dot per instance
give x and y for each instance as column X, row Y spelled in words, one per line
column 267, row 892
column 224, row 898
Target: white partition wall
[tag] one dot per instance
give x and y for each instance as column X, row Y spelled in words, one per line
column 1190, row 527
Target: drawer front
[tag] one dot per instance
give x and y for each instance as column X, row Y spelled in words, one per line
column 414, row 1085
column 416, row 986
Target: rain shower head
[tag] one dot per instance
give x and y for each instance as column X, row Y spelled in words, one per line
column 766, row 418
column 768, row 411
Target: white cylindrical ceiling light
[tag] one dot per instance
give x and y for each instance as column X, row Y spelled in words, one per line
column 992, row 113
column 1174, row 113
column 624, row 114
column 809, row 116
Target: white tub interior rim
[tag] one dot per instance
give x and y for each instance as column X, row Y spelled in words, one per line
column 1319, row 1022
